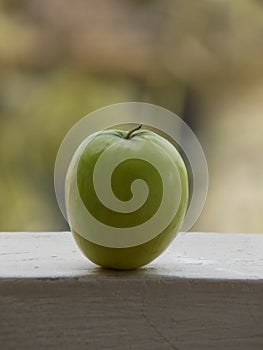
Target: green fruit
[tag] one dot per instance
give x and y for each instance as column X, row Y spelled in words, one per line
column 126, row 197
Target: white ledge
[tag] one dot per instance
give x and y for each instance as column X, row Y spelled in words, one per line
column 205, row 292
column 191, row 256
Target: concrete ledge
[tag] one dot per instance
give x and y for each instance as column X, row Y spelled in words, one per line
column 205, row 292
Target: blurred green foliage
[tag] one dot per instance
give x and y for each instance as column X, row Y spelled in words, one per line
column 61, row 60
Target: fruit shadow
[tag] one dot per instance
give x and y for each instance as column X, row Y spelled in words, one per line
column 109, row 272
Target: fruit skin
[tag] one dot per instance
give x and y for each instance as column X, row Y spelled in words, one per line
column 127, row 258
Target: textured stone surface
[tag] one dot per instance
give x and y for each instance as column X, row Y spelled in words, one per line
column 205, row 292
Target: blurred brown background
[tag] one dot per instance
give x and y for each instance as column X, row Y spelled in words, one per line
column 60, row 60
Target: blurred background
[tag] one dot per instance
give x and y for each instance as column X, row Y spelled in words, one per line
column 60, row 60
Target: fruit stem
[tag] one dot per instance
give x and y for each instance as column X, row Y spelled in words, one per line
column 128, row 136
